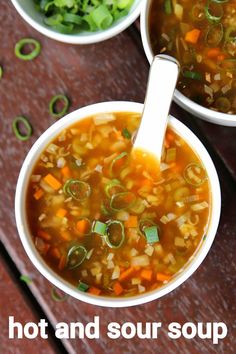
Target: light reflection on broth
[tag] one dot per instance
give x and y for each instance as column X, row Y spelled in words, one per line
column 103, row 222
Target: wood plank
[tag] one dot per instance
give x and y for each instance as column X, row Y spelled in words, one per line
column 115, row 69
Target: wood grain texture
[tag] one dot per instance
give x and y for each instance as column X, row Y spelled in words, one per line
column 112, row 70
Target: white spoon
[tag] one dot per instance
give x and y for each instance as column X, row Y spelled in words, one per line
column 162, row 80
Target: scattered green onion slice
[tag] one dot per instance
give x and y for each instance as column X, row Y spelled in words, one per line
column 126, row 134
column 138, row 206
column 144, row 223
column 198, row 12
column 194, row 174
column 1, row 72
column 113, row 187
column 27, row 126
column 122, row 200
column 210, row 15
column 54, row 101
column 83, row 286
column 99, row 228
column 214, row 35
column 57, row 297
column 223, row 104
column 151, row 234
column 168, row 7
column 113, row 238
column 78, row 190
column 120, row 156
column 22, row 43
column 26, row 279
column 101, row 17
column 72, row 18
column 194, row 75
column 76, row 255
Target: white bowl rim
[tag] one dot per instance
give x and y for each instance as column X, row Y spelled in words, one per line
column 92, row 37
column 20, row 214
column 183, row 101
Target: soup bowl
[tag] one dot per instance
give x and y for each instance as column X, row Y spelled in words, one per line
column 183, row 101
column 29, row 13
column 21, row 213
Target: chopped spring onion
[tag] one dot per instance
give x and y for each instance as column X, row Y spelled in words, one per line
column 54, row 101
column 101, row 17
column 168, row 7
column 151, row 234
column 114, row 187
column 26, row 279
column 122, row 200
column 120, row 156
column 99, row 228
column 126, row 134
column 20, row 46
column 214, row 35
column 115, row 238
column 83, row 286
column 56, row 296
column 194, row 174
column 1, row 72
column 194, row 75
column 27, row 126
column 78, row 190
column 214, row 11
column 76, row 255
column 145, row 223
column 198, row 12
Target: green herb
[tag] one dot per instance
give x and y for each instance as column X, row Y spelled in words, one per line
column 113, row 187
column 151, row 234
column 83, row 286
column 16, row 128
column 120, row 156
column 19, row 47
column 214, row 11
column 194, row 75
column 1, row 72
column 54, row 101
column 58, row 297
column 122, row 200
column 168, row 7
column 115, row 238
column 99, row 228
column 76, row 255
column 126, row 134
column 78, row 190
column 26, row 279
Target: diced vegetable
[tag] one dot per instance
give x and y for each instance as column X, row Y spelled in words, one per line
column 118, row 289
column 192, row 36
column 52, row 182
column 146, row 274
column 163, row 277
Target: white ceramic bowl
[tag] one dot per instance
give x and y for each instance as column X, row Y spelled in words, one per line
column 26, row 9
column 183, row 101
column 20, row 205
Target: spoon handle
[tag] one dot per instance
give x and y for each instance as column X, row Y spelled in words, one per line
column 162, row 80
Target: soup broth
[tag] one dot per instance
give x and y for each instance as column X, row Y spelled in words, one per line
column 103, row 222
column 202, row 36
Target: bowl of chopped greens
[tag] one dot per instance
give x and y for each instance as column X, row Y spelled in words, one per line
column 79, row 21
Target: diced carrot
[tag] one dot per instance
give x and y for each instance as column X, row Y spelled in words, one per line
column 55, row 253
column 66, row 171
column 192, row 36
column 44, row 235
column 61, row 213
column 65, row 235
column 170, row 137
column 127, row 273
column 94, row 291
column 221, row 57
column 146, row 274
column 213, row 52
column 118, row 134
column 118, row 289
column 38, row 194
column 52, row 181
column 163, row 277
column 132, row 221
column 82, row 226
column 62, row 263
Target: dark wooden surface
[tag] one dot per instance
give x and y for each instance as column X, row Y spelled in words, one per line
column 113, row 70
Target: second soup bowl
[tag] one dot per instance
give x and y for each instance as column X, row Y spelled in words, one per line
column 21, row 209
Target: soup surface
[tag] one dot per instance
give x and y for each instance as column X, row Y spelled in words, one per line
column 202, row 36
column 105, row 223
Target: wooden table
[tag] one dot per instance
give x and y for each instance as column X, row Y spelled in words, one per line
column 113, row 70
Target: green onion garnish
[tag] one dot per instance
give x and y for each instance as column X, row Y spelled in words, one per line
column 113, row 187
column 99, row 228
column 214, row 35
column 151, row 234
column 54, row 101
column 57, row 297
column 168, row 7
column 115, row 236
column 126, row 134
column 76, row 255
column 26, row 279
column 27, row 41
column 194, row 174
column 83, row 286
column 214, row 11
column 194, row 75
column 78, row 190
column 122, row 200
column 16, row 128
column 1, row 72
column 120, row 156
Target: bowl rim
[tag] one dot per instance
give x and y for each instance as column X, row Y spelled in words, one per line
column 183, row 101
column 92, row 37
column 20, row 210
